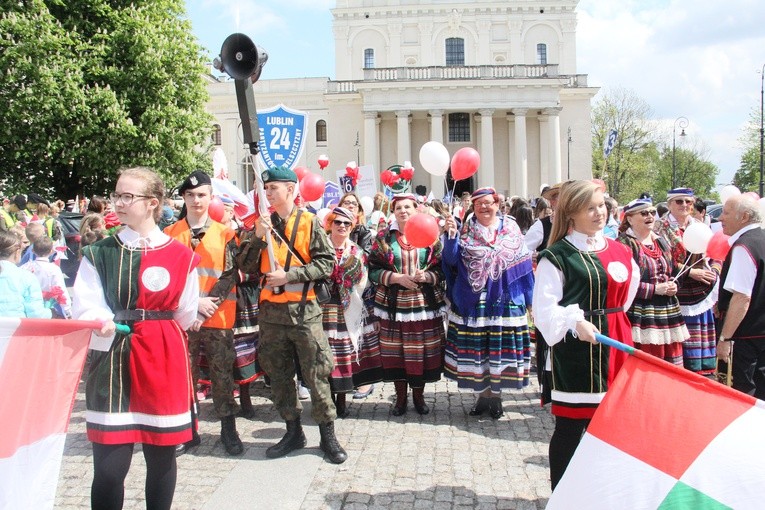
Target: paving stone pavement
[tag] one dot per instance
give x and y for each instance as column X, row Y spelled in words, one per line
column 444, row 460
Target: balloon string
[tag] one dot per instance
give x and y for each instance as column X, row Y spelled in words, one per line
column 454, row 187
column 686, row 267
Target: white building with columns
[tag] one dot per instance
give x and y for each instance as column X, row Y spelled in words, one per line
column 498, row 76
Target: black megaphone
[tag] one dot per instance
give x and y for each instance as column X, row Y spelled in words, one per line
column 241, row 58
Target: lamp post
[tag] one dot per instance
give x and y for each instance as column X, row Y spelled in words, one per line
column 762, row 131
column 358, row 149
column 683, row 123
column 568, row 155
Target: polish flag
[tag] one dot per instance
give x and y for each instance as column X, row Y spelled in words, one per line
column 41, row 362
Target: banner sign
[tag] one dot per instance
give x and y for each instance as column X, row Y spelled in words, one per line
column 332, row 194
column 282, row 136
column 367, row 183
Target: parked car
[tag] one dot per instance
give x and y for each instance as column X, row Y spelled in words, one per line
column 714, row 212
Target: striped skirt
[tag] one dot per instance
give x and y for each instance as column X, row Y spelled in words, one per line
column 411, row 343
column 333, row 321
column 489, row 353
column 700, row 350
column 367, row 367
column 658, row 328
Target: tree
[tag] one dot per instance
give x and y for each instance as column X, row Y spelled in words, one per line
column 627, row 168
column 90, row 86
column 747, row 177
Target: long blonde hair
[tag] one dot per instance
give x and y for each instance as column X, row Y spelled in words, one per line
column 574, row 197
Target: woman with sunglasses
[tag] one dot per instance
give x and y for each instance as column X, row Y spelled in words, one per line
column 489, row 283
column 409, row 302
column 343, row 315
column 360, row 235
column 657, row 324
column 696, row 287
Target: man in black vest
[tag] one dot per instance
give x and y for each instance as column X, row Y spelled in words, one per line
column 742, row 297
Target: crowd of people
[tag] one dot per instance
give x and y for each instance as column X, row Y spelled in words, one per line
column 342, row 301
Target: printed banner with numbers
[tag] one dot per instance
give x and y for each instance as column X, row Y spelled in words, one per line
column 282, row 136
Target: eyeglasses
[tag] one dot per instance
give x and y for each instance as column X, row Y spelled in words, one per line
column 683, row 201
column 349, row 202
column 484, row 204
column 341, row 223
column 647, row 212
column 125, row 198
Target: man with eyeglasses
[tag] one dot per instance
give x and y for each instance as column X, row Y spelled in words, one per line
column 217, row 246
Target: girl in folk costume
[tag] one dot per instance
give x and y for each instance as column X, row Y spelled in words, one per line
column 410, row 304
column 144, row 279
column 343, row 315
column 696, row 288
column 490, row 282
column 657, row 324
column 584, row 284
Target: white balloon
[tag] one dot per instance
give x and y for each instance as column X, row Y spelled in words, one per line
column 367, row 204
column 727, row 192
column 316, row 204
column 696, row 237
column 321, row 214
column 434, row 158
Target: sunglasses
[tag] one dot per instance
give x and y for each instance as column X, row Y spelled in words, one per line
column 647, row 212
column 341, row 223
column 683, row 201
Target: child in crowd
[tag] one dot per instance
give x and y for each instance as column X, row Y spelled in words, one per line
column 50, row 277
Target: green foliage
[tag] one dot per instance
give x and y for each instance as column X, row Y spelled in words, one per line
column 91, row 86
column 747, row 177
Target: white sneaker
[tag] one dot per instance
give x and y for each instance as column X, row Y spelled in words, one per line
column 303, row 393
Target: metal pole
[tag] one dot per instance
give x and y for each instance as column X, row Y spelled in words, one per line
column 673, row 159
column 683, row 123
column 762, row 131
column 568, row 156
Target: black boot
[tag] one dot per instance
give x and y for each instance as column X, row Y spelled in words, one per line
column 294, row 439
column 247, row 411
column 496, row 410
column 341, row 406
column 230, row 437
column 399, row 407
column 329, row 444
column 480, row 407
column 184, row 447
column 418, row 398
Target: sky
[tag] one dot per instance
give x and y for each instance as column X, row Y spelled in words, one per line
column 697, row 59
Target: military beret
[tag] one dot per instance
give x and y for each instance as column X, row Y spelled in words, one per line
column 196, row 179
column 279, row 174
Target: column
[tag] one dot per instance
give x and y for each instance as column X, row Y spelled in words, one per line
column 437, row 135
column 521, row 153
column 553, row 144
column 545, row 175
column 371, row 141
column 403, row 140
column 486, row 170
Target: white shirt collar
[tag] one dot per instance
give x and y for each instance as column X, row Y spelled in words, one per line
column 732, row 239
column 583, row 242
column 133, row 239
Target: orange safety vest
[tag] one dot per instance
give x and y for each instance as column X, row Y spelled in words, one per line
column 212, row 250
column 293, row 292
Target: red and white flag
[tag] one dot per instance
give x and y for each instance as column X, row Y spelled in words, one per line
column 41, row 362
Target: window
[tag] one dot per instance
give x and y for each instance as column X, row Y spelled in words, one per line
column 455, row 51
column 216, row 137
column 459, row 127
column 321, row 131
column 369, row 58
column 542, row 54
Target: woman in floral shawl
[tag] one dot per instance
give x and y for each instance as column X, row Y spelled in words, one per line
column 410, row 304
column 490, row 283
column 343, row 315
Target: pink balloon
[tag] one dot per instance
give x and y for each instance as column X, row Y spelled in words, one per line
column 465, row 163
column 216, row 209
column 300, row 171
column 312, row 187
column 421, row 230
column 718, row 246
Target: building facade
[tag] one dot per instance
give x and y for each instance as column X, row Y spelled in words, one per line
column 500, row 77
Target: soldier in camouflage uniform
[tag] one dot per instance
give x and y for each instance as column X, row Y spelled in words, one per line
column 290, row 317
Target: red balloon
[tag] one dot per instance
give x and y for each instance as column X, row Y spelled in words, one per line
column 718, row 247
column 216, row 209
column 421, row 230
column 300, row 171
column 312, row 187
column 323, row 161
column 465, row 163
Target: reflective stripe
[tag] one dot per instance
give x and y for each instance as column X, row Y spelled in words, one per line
column 116, row 419
column 297, row 287
column 210, row 272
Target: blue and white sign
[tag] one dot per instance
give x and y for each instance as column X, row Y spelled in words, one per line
column 282, row 136
column 332, row 194
column 610, row 142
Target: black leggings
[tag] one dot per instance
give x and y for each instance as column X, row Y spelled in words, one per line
column 111, row 464
column 568, row 433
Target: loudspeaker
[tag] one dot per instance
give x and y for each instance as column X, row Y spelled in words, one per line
column 241, row 58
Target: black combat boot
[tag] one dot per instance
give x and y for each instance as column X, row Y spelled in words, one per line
column 329, row 444
column 294, row 439
column 230, row 437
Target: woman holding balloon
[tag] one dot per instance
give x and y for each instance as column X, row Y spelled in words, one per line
column 405, row 263
column 696, row 283
column 490, row 283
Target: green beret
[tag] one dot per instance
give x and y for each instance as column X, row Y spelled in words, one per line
column 195, row 180
column 279, row 174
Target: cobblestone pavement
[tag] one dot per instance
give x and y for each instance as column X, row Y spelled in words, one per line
column 444, row 460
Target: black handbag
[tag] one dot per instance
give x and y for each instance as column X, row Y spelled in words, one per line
column 322, row 289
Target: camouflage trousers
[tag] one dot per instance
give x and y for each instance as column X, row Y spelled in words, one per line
column 276, row 354
column 219, row 349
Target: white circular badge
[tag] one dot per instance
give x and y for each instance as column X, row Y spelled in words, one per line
column 155, row 278
column 618, row 271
